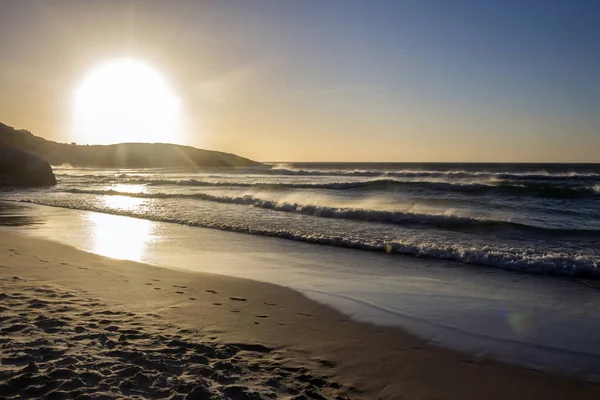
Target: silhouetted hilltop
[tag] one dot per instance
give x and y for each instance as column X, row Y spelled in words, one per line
column 123, row 155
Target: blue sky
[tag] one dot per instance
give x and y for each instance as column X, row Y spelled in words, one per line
column 330, row 80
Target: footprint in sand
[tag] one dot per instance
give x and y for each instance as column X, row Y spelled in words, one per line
column 192, row 298
column 211, row 291
column 156, row 288
column 149, row 284
column 179, row 292
column 262, row 316
column 305, row 314
column 217, row 304
column 237, row 299
column 155, row 280
column 326, row 363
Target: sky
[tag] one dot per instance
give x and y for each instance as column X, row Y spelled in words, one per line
column 330, row 80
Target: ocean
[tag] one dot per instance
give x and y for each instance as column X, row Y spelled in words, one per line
column 490, row 259
column 542, row 218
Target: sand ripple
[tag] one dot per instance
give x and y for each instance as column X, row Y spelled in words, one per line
column 58, row 344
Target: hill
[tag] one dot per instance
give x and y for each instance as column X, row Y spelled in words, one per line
column 123, row 155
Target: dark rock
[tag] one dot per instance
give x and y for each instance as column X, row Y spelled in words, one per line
column 18, row 168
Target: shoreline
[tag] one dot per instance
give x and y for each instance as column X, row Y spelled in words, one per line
column 544, row 323
column 541, row 322
column 368, row 361
column 405, row 251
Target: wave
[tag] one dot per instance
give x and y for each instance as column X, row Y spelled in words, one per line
column 458, row 174
column 496, row 188
column 429, row 173
column 446, row 222
column 550, row 262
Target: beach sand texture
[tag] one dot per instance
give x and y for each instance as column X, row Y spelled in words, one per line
column 77, row 325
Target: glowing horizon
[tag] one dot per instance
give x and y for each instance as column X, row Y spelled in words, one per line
column 437, row 81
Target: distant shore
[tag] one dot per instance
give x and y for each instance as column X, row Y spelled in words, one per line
column 118, row 155
column 94, row 303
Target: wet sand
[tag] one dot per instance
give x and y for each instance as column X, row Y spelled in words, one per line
column 75, row 323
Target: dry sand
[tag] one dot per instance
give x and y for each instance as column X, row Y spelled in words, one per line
column 75, row 324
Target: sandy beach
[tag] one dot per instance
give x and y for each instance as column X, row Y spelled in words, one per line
column 78, row 324
column 299, row 199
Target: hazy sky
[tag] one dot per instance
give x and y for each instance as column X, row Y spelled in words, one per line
column 328, row 80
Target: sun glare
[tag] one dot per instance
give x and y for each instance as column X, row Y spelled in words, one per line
column 120, row 237
column 126, row 101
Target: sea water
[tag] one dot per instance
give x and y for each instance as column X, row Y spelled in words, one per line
column 530, row 217
column 432, row 246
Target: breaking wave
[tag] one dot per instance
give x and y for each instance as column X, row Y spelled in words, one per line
column 507, row 257
column 540, row 176
column 535, row 189
column 440, row 221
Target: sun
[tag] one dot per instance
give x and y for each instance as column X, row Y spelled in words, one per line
column 126, row 101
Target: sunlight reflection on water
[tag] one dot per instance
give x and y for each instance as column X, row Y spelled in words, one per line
column 123, row 203
column 120, row 237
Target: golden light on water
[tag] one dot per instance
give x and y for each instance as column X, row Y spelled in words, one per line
column 126, row 101
column 123, row 203
column 120, row 237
